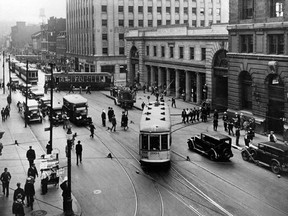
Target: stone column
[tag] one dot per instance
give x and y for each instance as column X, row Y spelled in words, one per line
column 168, row 81
column 152, row 76
column 187, row 86
column 160, row 80
column 199, row 88
column 177, row 83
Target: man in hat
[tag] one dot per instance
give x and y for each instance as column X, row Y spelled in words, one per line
column 19, row 191
column 5, row 179
column 29, row 192
column 32, row 171
column 79, row 151
column 31, row 156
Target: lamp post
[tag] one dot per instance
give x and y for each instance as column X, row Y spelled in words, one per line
column 26, row 96
column 69, row 210
column 10, row 83
column 51, row 101
column 3, row 72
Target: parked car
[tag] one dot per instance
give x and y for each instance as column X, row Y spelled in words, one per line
column 270, row 154
column 214, row 145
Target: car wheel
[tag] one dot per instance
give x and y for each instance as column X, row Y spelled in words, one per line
column 275, row 167
column 245, row 155
column 226, row 154
column 212, row 156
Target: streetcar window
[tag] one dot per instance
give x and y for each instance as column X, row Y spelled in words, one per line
column 154, row 142
column 164, row 142
column 145, row 141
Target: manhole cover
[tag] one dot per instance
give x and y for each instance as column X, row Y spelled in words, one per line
column 38, row 213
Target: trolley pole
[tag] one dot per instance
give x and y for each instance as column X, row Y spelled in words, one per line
column 51, row 99
column 3, row 72
column 26, row 96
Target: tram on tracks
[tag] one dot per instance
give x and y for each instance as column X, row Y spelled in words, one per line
column 20, row 69
column 155, row 134
column 96, row 80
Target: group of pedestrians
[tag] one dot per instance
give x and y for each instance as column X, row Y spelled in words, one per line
column 5, row 112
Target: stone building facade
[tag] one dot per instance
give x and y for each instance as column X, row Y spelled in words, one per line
column 180, row 59
column 258, row 62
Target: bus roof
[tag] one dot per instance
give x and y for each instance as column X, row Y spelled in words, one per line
column 155, row 118
column 75, row 99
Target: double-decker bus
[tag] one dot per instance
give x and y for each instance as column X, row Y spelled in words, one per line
column 155, row 134
column 96, row 80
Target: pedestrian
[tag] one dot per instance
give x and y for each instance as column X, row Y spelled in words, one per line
column 7, row 111
column 5, row 179
column 78, row 152
column 246, row 139
column 215, row 123
column 80, row 89
column 32, row 171
column 143, row 105
column 65, row 193
column 92, row 129
column 191, row 114
column 230, row 127
column 29, row 192
column 1, row 147
column 103, row 117
column 9, row 100
column 183, row 114
column 237, row 133
column 225, row 120
column 114, row 122
column 17, row 207
column 215, row 115
column 49, row 147
column 88, row 89
column 272, row 137
column 144, row 88
column 44, row 181
column 173, row 102
column 124, row 120
column 157, row 95
column 110, row 113
column 3, row 114
column 18, row 191
column 31, row 156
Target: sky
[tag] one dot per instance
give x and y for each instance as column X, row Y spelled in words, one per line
column 29, row 10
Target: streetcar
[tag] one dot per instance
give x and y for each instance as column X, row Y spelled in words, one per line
column 95, row 80
column 30, row 76
column 155, row 134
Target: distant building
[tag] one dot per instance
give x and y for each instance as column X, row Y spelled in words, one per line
column 36, row 42
column 21, row 41
column 96, row 29
column 258, row 62
column 61, row 49
column 181, row 60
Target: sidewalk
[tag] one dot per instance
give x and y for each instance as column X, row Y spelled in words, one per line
column 180, row 104
column 14, row 158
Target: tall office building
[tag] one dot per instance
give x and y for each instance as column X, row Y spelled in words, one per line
column 96, row 28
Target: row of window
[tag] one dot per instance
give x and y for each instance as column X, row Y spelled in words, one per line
column 171, row 52
column 275, row 44
column 104, row 51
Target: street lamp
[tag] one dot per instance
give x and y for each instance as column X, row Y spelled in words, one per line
column 10, row 83
column 3, row 72
column 51, row 101
column 69, row 135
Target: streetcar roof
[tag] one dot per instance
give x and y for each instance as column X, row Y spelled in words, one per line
column 155, row 117
column 75, row 99
column 79, row 73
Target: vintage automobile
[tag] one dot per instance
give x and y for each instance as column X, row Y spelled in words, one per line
column 33, row 112
column 35, row 94
column 123, row 96
column 57, row 113
column 214, row 145
column 270, row 154
column 44, row 102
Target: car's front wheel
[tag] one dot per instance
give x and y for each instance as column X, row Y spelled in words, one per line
column 226, row 154
column 275, row 167
column 212, row 155
column 245, row 155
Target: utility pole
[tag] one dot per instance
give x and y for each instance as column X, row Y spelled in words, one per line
column 10, row 83
column 26, row 96
column 3, row 72
column 51, row 99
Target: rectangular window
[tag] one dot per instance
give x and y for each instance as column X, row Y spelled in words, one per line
column 247, row 43
column 150, row 9
column 276, row 44
column 121, row 51
column 248, row 9
column 130, row 9
column 192, row 53
column 276, row 8
column 150, row 23
column 176, row 9
column 121, row 36
column 131, row 23
column 154, row 142
column 168, row 22
column 168, row 10
column 104, row 37
column 145, row 139
column 181, row 52
column 155, row 50
column 159, row 22
column 202, row 11
column 159, row 10
column 171, row 52
column 162, row 51
column 164, row 142
column 185, row 10
column 218, row 11
column 104, row 9
column 202, row 23
column 210, row 10
column 140, row 23
column 120, row 9
column 178, row 21
column 194, row 23
column 147, row 51
column 140, row 9
column 121, row 22
column 104, row 22
column 105, row 51
column 203, row 54
column 194, row 11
